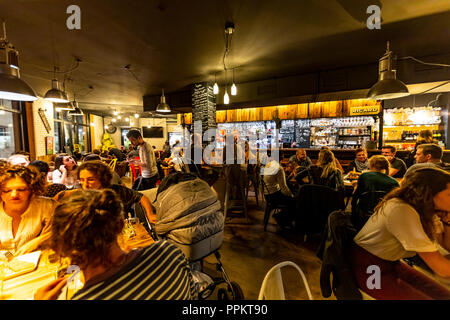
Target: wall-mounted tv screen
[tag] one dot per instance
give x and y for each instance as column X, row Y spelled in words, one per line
column 153, row 132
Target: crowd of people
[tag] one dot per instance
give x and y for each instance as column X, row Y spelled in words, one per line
column 79, row 208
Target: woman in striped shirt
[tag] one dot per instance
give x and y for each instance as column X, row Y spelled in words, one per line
column 85, row 229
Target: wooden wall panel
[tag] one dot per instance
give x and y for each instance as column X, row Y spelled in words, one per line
column 268, row 113
column 287, row 111
column 301, row 111
column 221, row 116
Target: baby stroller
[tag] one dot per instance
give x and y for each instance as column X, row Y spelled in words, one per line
column 189, row 216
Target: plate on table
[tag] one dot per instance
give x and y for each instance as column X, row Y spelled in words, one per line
column 22, row 264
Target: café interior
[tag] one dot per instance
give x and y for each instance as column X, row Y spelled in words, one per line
column 106, row 90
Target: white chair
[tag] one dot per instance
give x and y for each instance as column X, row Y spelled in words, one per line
column 272, row 287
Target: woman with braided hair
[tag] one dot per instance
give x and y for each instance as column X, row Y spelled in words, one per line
column 85, row 230
column 25, row 216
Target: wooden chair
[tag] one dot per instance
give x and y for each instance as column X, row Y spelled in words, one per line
column 112, row 164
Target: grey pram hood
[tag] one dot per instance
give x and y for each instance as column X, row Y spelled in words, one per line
column 188, row 212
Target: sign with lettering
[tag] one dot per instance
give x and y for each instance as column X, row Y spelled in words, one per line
column 365, row 110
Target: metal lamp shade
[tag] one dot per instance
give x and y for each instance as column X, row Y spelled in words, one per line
column 388, row 86
column 12, row 87
column 163, row 106
column 55, row 94
column 388, row 89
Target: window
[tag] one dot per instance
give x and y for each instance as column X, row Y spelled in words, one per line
column 71, row 133
column 12, row 128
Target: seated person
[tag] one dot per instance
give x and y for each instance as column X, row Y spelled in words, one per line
column 397, row 166
column 324, row 172
column 51, row 189
column 25, row 217
column 97, row 175
column 410, row 220
column 157, row 272
column 115, row 176
column 299, row 162
column 276, row 190
column 18, row 160
column 117, row 153
column 300, row 159
column 65, row 171
column 428, row 155
column 360, row 163
column 376, row 179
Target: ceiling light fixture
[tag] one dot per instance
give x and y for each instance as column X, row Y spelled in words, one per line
column 226, row 98
column 216, row 86
column 76, row 109
column 233, row 87
column 115, row 113
column 55, row 94
column 127, row 119
column 388, row 86
column 11, row 86
column 163, row 106
column 114, row 120
column 119, row 117
column 136, row 115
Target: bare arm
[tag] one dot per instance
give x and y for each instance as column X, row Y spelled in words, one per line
column 437, row 262
column 145, row 202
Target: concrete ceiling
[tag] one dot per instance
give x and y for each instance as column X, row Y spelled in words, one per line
column 171, row 44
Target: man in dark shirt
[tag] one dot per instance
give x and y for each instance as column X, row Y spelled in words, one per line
column 397, row 166
column 300, row 159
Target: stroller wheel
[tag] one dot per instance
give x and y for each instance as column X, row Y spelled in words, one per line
column 233, row 292
column 236, row 291
column 222, row 295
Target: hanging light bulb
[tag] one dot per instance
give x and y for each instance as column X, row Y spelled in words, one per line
column 131, row 123
column 149, row 126
column 116, row 113
column 114, row 120
column 106, row 126
column 233, row 90
column 216, row 86
column 226, row 98
column 233, row 87
column 119, row 117
column 136, row 115
column 127, row 119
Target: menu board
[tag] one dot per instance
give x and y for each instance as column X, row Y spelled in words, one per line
column 302, row 133
column 287, row 131
column 204, row 105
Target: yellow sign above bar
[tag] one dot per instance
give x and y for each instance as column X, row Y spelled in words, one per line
column 364, row 110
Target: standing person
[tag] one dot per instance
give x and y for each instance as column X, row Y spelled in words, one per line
column 147, row 162
column 360, row 163
column 409, row 221
column 397, row 166
column 65, row 171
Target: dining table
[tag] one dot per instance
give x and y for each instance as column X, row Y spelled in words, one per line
column 49, row 268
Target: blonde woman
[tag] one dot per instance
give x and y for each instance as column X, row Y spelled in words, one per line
column 324, row 172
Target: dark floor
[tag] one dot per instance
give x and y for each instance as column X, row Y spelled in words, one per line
column 248, row 252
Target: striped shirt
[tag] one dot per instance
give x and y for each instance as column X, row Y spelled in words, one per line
column 159, row 272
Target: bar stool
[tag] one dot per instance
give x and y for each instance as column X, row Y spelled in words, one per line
column 254, row 178
column 235, row 179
